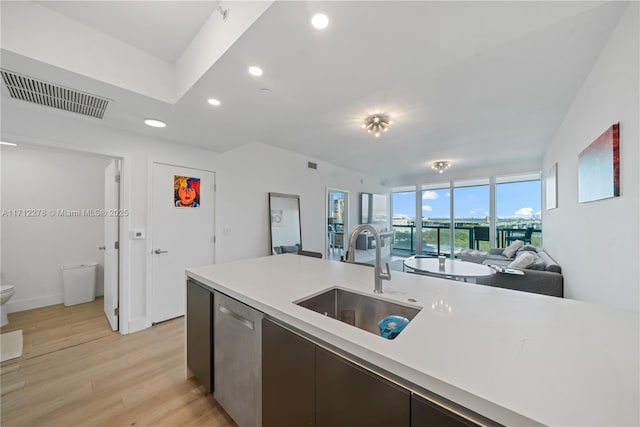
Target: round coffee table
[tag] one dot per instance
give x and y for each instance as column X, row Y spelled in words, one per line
column 455, row 269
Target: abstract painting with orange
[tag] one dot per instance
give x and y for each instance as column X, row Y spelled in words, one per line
column 186, row 191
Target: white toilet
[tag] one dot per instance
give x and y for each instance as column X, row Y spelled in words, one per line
column 6, row 292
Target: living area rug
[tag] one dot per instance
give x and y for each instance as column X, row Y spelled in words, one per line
column 10, row 345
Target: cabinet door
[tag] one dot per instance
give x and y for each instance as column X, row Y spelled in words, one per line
column 288, row 379
column 427, row 414
column 350, row 396
column 199, row 333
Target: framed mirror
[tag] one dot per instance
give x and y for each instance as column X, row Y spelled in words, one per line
column 284, row 219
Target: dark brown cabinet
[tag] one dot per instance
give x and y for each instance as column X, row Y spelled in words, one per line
column 200, row 333
column 351, row 396
column 427, row 414
column 288, row 381
column 306, row 385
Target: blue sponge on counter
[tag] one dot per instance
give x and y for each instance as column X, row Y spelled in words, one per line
column 391, row 326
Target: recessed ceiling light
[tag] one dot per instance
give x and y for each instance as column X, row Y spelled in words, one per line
column 8, row 143
column 154, row 123
column 320, row 21
column 213, row 101
column 255, row 71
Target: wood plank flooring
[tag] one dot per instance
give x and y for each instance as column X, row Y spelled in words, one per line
column 56, row 327
column 79, row 375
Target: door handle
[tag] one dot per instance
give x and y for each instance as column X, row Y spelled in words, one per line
column 246, row 322
column 159, row 251
column 102, row 248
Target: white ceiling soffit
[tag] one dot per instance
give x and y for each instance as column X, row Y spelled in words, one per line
column 75, row 36
column 137, row 22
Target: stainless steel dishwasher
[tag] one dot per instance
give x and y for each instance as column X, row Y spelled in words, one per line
column 237, row 360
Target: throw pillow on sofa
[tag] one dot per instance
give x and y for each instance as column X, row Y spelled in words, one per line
column 511, row 250
column 538, row 263
column 523, row 260
column 527, row 248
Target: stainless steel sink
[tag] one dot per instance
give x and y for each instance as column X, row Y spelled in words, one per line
column 358, row 310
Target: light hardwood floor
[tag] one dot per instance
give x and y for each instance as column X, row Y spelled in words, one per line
column 56, row 327
column 74, row 374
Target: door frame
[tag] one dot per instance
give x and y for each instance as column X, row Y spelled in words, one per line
column 147, row 319
column 346, row 217
column 124, row 197
column 118, row 176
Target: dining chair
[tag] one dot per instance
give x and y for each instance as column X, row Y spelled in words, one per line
column 526, row 237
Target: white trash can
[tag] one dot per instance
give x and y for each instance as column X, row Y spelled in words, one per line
column 79, row 283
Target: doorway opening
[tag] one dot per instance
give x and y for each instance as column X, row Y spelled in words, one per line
column 337, row 215
column 64, row 193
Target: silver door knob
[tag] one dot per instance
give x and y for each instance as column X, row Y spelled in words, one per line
column 160, row 251
column 102, row 248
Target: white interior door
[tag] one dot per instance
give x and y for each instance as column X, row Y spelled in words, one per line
column 183, row 233
column 111, row 229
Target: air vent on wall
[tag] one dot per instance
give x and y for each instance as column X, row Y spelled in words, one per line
column 312, row 165
column 43, row 93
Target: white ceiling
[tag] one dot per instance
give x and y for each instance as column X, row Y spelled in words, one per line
column 477, row 83
column 161, row 28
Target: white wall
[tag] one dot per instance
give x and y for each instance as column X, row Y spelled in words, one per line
column 244, row 176
column 252, row 171
column 596, row 243
column 35, row 247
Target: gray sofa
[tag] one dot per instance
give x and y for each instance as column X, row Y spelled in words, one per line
column 543, row 277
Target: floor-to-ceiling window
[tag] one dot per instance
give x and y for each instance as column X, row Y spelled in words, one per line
column 471, row 214
column 403, row 202
column 518, row 209
column 436, row 218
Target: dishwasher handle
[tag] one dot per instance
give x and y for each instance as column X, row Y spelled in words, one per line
column 246, row 322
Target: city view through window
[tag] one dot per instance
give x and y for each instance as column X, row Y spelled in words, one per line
column 518, row 214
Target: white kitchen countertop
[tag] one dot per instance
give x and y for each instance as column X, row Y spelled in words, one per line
column 511, row 356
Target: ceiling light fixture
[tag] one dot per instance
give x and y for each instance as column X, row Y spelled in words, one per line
column 376, row 123
column 154, row 123
column 255, row 71
column 440, row 166
column 320, row 21
column 213, row 101
column 8, row 143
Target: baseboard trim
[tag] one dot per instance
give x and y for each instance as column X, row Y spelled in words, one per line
column 31, row 303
